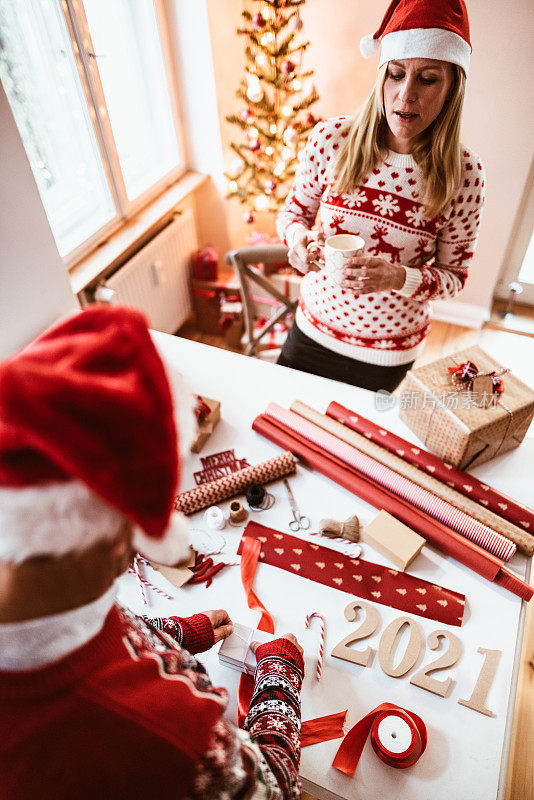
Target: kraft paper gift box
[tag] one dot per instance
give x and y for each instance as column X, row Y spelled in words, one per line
column 456, row 425
column 206, row 426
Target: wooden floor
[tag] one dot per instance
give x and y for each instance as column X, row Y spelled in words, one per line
column 517, row 352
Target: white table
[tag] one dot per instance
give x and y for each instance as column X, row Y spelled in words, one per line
column 467, row 752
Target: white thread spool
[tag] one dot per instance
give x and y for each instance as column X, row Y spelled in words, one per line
column 214, row 518
column 394, row 734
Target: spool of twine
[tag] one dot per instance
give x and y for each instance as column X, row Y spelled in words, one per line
column 238, row 513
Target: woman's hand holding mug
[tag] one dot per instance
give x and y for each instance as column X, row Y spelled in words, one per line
column 365, row 274
column 299, row 256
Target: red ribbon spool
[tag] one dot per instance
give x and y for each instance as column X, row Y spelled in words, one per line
column 350, row 750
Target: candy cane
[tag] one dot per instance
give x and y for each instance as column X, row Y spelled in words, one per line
column 144, row 582
column 321, row 642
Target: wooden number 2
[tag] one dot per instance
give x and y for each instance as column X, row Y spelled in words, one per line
column 368, row 626
column 447, row 659
column 477, row 701
column 387, row 647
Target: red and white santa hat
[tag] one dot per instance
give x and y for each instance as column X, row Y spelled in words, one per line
column 437, row 29
column 87, row 439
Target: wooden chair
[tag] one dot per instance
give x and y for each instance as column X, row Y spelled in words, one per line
column 242, row 260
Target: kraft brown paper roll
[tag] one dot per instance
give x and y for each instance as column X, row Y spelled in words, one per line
column 524, row 542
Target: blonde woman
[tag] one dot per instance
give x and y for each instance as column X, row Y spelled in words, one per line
column 398, row 176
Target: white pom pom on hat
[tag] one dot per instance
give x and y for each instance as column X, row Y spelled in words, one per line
column 369, row 46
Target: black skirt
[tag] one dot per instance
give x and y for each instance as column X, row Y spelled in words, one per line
column 302, row 353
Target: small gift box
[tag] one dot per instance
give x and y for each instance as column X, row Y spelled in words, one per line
column 235, row 651
column 206, row 264
column 466, row 408
column 208, row 413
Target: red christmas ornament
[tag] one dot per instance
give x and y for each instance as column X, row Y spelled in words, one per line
column 246, row 115
column 254, row 145
column 248, row 216
column 288, row 67
column 270, row 186
column 259, row 21
column 310, row 119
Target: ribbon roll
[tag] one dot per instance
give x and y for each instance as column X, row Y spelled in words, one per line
column 238, row 513
column 398, row 737
column 322, row 729
column 350, row 529
column 214, row 518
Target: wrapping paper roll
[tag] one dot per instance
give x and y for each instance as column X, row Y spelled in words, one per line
column 447, row 540
column 421, row 498
column 237, row 482
column 398, row 738
column 523, row 541
column 464, row 483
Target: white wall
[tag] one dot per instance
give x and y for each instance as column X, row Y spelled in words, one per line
column 34, row 287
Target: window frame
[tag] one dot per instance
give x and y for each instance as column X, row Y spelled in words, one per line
column 87, row 63
column 518, row 243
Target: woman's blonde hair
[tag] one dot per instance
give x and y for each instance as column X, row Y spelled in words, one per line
column 438, row 153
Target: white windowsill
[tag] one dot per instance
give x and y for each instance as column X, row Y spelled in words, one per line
column 135, row 232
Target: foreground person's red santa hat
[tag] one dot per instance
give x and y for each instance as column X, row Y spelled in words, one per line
column 88, row 438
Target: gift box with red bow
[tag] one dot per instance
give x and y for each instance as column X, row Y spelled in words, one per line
column 467, row 408
column 208, row 413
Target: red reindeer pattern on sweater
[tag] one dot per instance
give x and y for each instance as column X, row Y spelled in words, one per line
column 387, row 210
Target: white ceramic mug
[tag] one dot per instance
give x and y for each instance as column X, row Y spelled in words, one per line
column 337, row 249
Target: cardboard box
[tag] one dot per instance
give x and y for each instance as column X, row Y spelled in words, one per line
column 206, row 426
column 455, row 424
column 393, row 539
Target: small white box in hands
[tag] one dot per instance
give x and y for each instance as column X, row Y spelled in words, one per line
column 235, row 651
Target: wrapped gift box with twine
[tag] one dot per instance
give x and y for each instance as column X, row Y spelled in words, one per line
column 466, row 407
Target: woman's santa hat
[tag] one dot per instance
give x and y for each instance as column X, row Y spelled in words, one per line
column 87, row 439
column 437, row 29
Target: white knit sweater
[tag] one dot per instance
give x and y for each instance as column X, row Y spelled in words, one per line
column 386, row 209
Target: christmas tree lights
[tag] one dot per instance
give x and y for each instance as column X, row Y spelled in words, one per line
column 277, row 94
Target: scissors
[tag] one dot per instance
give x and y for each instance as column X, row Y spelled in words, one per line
column 299, row 521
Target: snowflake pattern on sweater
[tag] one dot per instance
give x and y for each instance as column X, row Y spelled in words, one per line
column 387, row 210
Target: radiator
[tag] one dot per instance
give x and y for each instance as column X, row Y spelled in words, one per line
column 156, row 279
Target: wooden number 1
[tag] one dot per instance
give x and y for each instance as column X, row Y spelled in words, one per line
column 477, row 701
column 368, row 626
column 446, row 659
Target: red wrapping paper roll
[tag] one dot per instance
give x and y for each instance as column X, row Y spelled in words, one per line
column 464, row 483
column 450, row 542
column 434, row 506
column 350, row 750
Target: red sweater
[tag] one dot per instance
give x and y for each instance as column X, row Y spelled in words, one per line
column 133, row 715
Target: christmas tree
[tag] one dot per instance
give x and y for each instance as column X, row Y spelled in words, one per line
column 276, row 117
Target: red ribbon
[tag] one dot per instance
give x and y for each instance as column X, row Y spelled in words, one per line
column 466, row 372
column 350, row 750
column 322, row 729
column 249, row 561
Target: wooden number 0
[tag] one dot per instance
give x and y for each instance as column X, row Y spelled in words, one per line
column 368, row 626
column 387, row 648
column 447, row 659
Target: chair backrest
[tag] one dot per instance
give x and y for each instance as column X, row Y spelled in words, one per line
column 243, row 260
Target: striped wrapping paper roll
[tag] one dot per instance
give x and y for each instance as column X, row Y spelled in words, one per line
column 523, row 541
column 236, row 483
column 421, row 498
column 464, row 483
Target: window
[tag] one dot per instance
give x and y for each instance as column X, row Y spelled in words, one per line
column 89, row 89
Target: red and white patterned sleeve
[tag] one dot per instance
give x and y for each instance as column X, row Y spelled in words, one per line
column 262, row 760
column 456, row 240
column 302, row 202
column 193, row 633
